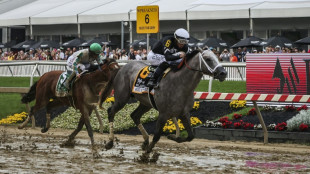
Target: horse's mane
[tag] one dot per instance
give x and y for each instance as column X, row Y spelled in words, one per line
column 105, row 61
column 192, row 54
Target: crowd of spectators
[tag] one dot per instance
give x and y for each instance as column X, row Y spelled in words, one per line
column 237, row 55
column 65, row 53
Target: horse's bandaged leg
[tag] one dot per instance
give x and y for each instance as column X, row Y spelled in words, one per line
column 24, row 123
column 100, row 121
column 143, row 132
column 111, row 135
column 48, row 121
column 177, row 128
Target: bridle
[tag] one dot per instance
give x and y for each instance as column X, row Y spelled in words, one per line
column 201, row 60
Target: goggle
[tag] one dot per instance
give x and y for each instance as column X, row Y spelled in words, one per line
column 182, row 41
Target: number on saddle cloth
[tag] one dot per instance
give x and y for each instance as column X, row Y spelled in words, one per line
column 61, row 90
column 142, row 79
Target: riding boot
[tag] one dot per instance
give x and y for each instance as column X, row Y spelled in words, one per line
column 68, row 80
column 153, row 82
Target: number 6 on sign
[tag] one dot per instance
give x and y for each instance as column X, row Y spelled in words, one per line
column 148, row 19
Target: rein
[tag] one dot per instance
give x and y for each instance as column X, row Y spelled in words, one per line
column 200, row 64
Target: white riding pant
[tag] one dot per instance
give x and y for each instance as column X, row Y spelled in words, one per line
column 157, row 59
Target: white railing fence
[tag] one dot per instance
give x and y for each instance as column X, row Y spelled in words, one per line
column 236, row 71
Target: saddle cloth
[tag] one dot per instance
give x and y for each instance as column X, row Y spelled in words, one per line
column 144, row 75
column 61, row 90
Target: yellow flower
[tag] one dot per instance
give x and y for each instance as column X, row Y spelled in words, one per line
column 170, row 126
column 237, row 104
column 196, row 105
column 110, row 100
column 14, row 118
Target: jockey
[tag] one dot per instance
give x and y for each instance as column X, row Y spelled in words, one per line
column 168, row 51
column 81, row 60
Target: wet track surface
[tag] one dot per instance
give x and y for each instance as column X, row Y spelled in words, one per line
column 29, row 151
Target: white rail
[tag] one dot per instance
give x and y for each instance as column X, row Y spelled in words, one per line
column 236, row 71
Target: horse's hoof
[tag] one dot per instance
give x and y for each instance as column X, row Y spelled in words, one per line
column 145, row 144
column 96, row 155
column 155, row 157
column 176, row 139
column 69, row 144
column 43, row 130
column 172, row 137
column 109, row 145
column 189, row 138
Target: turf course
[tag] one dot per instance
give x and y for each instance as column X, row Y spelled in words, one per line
column 10, row 103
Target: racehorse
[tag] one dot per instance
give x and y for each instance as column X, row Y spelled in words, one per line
column 85, row 96
column 173, row 98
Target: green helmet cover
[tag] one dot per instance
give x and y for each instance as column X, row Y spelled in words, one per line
column 96, row 48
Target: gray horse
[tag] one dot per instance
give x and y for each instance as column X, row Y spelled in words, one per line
column 173, row 98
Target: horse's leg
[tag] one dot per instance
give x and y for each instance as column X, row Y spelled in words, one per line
column 186, row 120
column 177, row 130
column 53, row 104
column 38, row 105
column 70, row 141
column 86, row 112
column 100, row 121
column 111, row 113
column 136, row 116
column 159, row 130
column 21, row 126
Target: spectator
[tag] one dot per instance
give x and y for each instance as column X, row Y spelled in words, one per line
column 62, row 55
column 131, row 54
column 31, row 53
column 233, row 58
column 277, row 49
column 144, row 54
column 53, row 55
column 22, row 55
column 5, row 56
column 1, row 54
column 35, row 57
column 238, row 54
column 243, row 54
column 124, row 55
column 11, row 56
column 225, row 56
column 137, row 55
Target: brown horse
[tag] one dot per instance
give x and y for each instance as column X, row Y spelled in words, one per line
column 85, row 96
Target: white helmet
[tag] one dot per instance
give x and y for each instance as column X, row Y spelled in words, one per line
column 181, row 35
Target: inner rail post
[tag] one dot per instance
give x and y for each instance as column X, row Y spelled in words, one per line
column 261, row 120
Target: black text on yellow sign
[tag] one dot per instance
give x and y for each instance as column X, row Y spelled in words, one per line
column 148, row 19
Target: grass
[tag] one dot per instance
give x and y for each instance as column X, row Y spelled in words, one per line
column 10, row 103
column 224, row 87
column 16, row 81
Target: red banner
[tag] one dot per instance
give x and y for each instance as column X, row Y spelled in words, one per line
column 278, row 73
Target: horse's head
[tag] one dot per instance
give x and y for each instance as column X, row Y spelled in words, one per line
column 111, row 64
column 209, row 64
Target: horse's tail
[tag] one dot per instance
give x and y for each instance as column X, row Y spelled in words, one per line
column 104, row 94
column 31, row 95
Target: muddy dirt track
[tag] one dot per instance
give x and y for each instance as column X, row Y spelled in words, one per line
column 30, row 151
